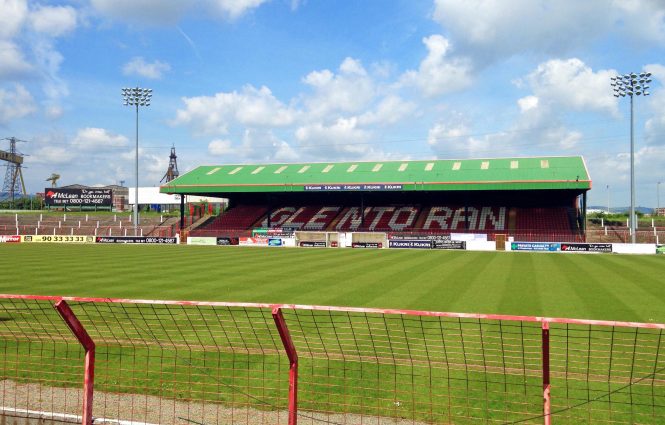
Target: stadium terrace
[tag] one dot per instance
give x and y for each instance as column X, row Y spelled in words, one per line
column 537, row 198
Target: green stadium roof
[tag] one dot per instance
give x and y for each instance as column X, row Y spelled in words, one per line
column 540, row 173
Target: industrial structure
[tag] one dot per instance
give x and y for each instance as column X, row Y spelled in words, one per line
column 13, row 187
column 172, row 172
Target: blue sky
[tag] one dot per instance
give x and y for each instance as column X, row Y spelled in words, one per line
column 245, row 81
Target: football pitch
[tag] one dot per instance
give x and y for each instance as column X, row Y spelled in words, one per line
column 603, row 287
column 432, row 369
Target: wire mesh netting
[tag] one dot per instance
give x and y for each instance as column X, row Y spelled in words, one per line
column 222, row 363
column 607, row 374
column 417, row 368
column 41, row 368
column 164, row 364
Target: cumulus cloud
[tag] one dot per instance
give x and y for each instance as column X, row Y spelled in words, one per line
column 337, row 116
column 93, row 138
column 27, row 45
column 344, row 136
column 138, row 66
column 12, row 60
column 159, row 12
column 452, row 138
column 143, row 11
column 250, row 107
column 219, row 147
column 255, row 145
column 571, row 84
column 389, row 110
column 351, row 89
column 53, row 20
column 14, row 13
column 655, row 124
column 494, row 29
column 558, row 86
column 15, row 104
column 52, row 155
column 438, row 73
column 235, row 8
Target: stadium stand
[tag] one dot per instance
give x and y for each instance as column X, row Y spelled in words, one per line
column 541, row 198
column 83, row 225
column 527, row 223
column 239, row 218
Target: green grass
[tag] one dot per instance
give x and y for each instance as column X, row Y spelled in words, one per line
column 609, row 287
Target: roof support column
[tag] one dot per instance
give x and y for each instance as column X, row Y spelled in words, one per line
column 182, row 211
column 362, row 210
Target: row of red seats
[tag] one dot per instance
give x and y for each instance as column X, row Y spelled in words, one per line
column 479, row 219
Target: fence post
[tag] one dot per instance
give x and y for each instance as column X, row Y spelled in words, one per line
column 547, row 419
column 293, row 363
column 89, row 345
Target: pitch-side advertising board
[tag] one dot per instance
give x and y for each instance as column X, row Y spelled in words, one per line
column 58, row 239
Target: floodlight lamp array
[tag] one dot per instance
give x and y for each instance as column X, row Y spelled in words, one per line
column 631, row 84
column 136, row 96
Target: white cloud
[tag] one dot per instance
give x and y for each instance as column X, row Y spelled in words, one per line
column 96, row 139
column 494, row 29
column 54, row 111
column 138, row 66
column 256, row 145
column 342, row 137
column 153, row 12
column 453, row 139
column 527, row 103
column 439, row 74
column 160, row 12
column 655, row 125
column 220, row 147
column 49, row 60
column 250, row 107
column 350, row 90
column 235, row 8
column 12, row 61
column 14, row 13
column 53, row 21
column 56, row 155
column 15, row 104
column 390, row 110
column 571, row 84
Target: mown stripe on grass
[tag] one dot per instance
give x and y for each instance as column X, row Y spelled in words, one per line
column 522, row 295
column 616, row 287
column 592, row 285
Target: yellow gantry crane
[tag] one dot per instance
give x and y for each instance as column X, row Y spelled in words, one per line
column 54, row 179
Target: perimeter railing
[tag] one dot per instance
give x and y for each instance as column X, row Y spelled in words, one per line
column 84, row 360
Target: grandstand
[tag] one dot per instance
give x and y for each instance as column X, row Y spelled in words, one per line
column 81, row 224
column 542, row 198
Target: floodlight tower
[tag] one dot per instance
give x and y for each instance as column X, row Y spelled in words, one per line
column 631, row 85
column 136, row 96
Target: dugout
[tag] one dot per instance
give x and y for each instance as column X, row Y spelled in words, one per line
column 536, row 182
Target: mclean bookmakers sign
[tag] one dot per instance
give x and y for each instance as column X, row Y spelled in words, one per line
column 60, row 197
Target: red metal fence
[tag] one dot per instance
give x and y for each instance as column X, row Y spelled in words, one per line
column 71, row 359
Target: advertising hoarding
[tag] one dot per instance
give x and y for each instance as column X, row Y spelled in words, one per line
column 61, row 197
column 58, row 239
